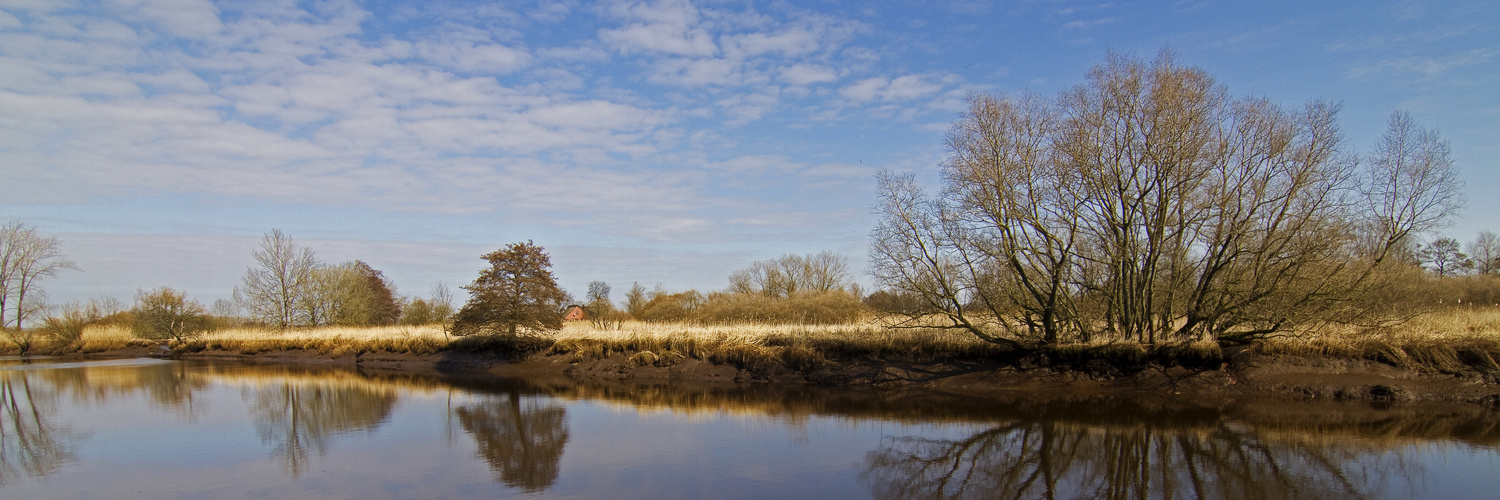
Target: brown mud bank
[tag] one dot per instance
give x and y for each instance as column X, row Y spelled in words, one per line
column 1240, row 372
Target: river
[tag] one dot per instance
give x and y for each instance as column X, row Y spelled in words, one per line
column 147, row 428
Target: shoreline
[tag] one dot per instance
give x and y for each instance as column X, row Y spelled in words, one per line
column 1243, row 372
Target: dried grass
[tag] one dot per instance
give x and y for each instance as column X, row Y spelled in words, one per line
column 1449, row 341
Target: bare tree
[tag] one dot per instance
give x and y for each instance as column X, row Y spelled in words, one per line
column 635, row 300
column 1443, row 257
column 1485, row 250
column 601, row 311
column 224, row 309
column 167, row 314
column 1149, row 204
column 825, row 272
column 318, row 299
column 25, row 259
column 441, row 299
column 598, row 292
column 790, row 274
column 1411, row 184
column 282, row 274
column 912, row 252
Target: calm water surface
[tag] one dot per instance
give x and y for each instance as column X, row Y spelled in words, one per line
column 165, row 429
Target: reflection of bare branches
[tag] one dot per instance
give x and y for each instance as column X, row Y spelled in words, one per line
column 300, row 419
column 29, row 443
column 167, row 384
column 1051, row 459
column 522, row 440
column 173, row 385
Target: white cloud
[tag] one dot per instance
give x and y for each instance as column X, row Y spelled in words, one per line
column 699, row 72
column 183, row 18
column 551, row 11
column 469, row 57
column 1425, row 66
column 910, row 87
column 666, row 38
column 667, row 26
column 1088, row 24
column 867, row 89
column 748, row 107
column 792, row 42
column 808, row 74
column 594, row 115
column 898, row 89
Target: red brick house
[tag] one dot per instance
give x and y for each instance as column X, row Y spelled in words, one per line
column 575, row 313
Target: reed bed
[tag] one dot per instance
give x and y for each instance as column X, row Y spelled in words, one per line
column 798, row 346
column 335, row 341
column 327, row 340
column 1448, row 340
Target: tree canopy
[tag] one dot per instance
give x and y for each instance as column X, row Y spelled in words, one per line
column 517, row 291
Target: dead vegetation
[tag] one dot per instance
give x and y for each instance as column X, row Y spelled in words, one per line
column 1448, row 341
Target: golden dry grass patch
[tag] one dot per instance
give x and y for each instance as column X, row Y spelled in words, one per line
column 1450, row 339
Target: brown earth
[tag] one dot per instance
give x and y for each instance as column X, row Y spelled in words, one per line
column 1244, row 372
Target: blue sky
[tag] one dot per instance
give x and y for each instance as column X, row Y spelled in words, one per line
column 662, row 142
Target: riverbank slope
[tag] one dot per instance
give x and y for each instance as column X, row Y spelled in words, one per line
column 1244, row 371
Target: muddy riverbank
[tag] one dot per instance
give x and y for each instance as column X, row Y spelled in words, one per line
column 1243, row 372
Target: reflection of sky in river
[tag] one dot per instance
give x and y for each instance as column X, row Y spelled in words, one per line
column 662, row 455
column 1455, row 471
column 176, row 431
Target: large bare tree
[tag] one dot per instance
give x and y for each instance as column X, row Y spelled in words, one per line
column 1411, row 184
column 271, row 289
column 26, row 258
column 1149, row 204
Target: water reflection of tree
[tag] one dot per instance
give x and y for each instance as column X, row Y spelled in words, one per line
column 1053, row 459
column 521, row 438
column 300, row 419
column 171, row 385
column 30, row 443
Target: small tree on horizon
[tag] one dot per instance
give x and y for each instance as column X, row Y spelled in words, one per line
column 517, row 291
column 165, row 313
column 1443, row 257
column 635, row 300
column 1485, row 250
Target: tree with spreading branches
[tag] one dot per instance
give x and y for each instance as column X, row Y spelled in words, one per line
column 517, row 292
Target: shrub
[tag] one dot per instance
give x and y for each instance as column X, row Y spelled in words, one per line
column 65, row 330
column 1477, row 290
column 824, row 308
column 165, row 313
column 665, row 307
column 897, row 302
